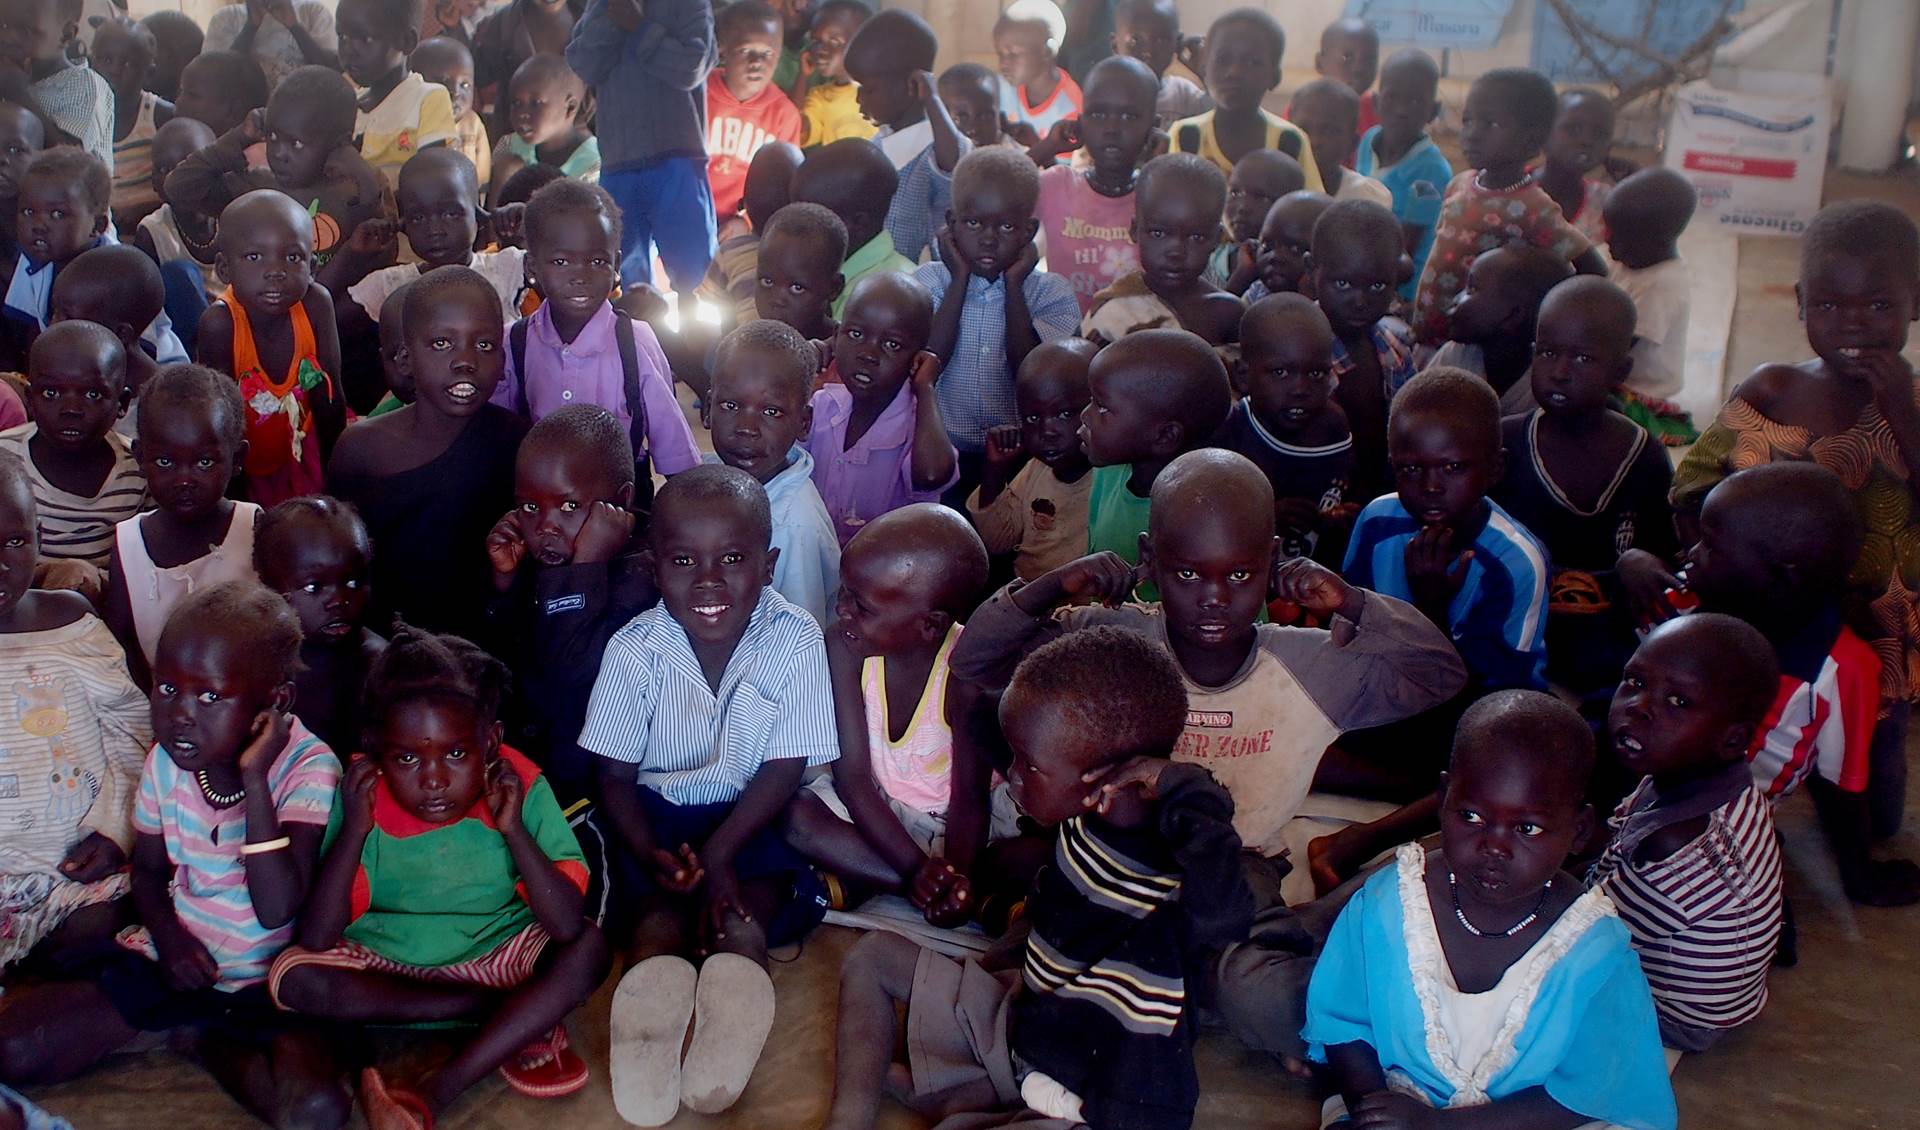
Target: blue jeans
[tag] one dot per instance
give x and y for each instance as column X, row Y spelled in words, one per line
column 669, row 205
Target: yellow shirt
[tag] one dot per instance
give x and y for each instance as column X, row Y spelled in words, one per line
column 414, row 115
column 1195, row 135
column 832, row 112
column 470, row 137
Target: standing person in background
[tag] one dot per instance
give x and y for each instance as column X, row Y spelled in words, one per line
column 647, row 61
column 745, row 111
column 280, row 34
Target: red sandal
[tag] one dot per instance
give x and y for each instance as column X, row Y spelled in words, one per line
column 391, row 1108
column 547, row 1068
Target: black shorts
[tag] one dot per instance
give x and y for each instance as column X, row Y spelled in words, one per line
column 137, row 988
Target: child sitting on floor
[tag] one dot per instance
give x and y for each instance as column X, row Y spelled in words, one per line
column 1442, row 545
column 61, row 212
column 569, row 575
column 745, row 111
column 971, row 94
column 1590, row 485
column 1399, row 154
column 1329, row 112
column 1581, row 137
column 1265, row 701
column 707, row 711
column 75, row 738
column 449, row 63
column 1035, row 91
column 440, row 216
column 1288, row 425
column 758, row 411
column 1098, row 1028
column 390, row 935
column 220, row 88
column 1149, row 30
column 830, row 107
column 543, row 107
column 122, row 53
column 1492, row 322
column 1286, row 239
column 878, row 439
column 171, row 234
column 273, row 331
column 1646, row 214
column 1260, row 178
column 1356, row 263
column 307, row 130
column 1509, row 113
column 1176, row 223
column 1850, row 409
column 1035, row 480
column 994, row 306
column 82, row 474
column 400, row 113
column 799, row 280
column 910, row 803
column 232, row 805
column 1243, row 52
column 1693, row 864
column 853, row 180
column 1778, row 547
column 192, row 438
column 1350, row 55
column 178, row 40
column 891, row 57
column 1152, row 397
column 1086, row 216
column 316, row 554
column 733, row 278
column 578, row 349
column 1527, row 1000
column 432, row 478
column 117, row 287
column 78, row 101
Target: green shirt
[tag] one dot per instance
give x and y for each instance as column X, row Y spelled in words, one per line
column 440, row 894
column 877, row 257
column 1116, row 517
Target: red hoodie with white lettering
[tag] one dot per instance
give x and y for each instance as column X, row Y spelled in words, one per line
column 736, row 130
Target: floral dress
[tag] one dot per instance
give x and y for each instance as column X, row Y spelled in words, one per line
column 283, row 453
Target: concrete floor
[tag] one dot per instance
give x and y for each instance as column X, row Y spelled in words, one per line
column 1841, row 1033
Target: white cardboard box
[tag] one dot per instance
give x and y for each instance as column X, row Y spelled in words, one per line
column 1758, row 155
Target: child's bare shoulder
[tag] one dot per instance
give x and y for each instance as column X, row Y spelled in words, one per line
column 1214, row 316
column 358, row 449
column 318, row 302
column 1783, row 391
column 43, row 610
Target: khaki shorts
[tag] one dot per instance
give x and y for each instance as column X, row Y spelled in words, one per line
column 928, row 830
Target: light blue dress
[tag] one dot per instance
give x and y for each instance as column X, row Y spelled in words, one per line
column 1581, row 1025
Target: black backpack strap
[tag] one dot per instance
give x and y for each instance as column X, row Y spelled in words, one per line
column 623, row 336
column 517, row 347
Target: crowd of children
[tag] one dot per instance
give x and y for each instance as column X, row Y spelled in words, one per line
column 1106, row 473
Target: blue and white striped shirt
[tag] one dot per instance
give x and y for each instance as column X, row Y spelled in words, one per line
column 1498, row 619
column 976, row 386
column 651, row 705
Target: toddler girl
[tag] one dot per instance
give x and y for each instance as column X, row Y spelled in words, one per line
column 392, row 935
column 227, row 823
column 74, row 738
column 1527, row 998
column 191, row 438
column 273, row 331
column 543, row 111
column 315, row 552
column 122, row 53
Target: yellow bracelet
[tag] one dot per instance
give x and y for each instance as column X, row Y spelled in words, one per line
column 265, row 846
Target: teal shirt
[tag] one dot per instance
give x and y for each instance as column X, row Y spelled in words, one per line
column 1116, row 517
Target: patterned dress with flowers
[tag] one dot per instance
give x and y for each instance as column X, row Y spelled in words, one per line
column 1475, row 220
column 1880, row 601
column 283, row 452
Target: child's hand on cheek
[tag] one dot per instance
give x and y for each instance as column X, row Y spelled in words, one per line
column 506, row 548
column 92, row 859
column 508, row 223
column 374, row 236
column 926, row 372
column 270, row 729
column 1023, row 265
column 356, row 796
column 957, row 264
column 1120, row 792
column 604, row 533
column 505, row 791
column 1063, row 138
column 1192, row 53
column 1890, row 377
column 253, row 127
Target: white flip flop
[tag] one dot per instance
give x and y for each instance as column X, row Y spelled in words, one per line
column 651, row 1008
column 731, row 1020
